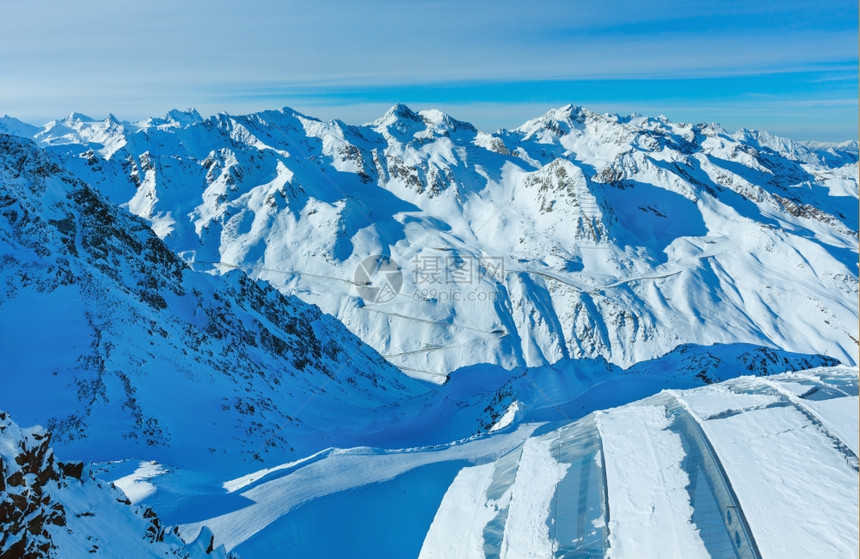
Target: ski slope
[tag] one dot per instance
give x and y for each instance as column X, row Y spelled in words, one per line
column 738, row 468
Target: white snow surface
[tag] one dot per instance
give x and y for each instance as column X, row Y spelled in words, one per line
column 136, row 485
column 526, row 530
column 650, row 512
column 457, row 528
column 796, row 489
column 798, row 492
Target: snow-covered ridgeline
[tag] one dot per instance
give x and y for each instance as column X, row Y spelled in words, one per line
column 575, row 235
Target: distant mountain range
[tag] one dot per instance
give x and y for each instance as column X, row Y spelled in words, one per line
column 575, row 235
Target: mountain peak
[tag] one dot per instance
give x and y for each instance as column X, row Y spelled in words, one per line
column 437, row 119
column 559, row 121
column 566, row 112
column 400, row 108
column 15, row 127
column 401, row 111
column 77, row 117
column 111, row 120
column 399, row 120
column 286, row 110
column 183, row 118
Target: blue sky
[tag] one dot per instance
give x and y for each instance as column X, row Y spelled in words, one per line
column 789, row 66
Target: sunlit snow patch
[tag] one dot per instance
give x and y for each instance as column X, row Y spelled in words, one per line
column 507, row 418
column 136, row 485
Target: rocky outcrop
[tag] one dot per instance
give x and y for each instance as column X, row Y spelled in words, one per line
column 27, row 511
column 57, row 509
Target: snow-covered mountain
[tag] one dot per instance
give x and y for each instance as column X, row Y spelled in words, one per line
column 121, row 350
column 575, row 235
column 156, row 318
column 113, row 343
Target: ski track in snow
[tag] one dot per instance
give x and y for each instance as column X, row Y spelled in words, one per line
column 526, row 531
column 840, row 416
column 649, row 507
column 243, row 481
column 834, row 414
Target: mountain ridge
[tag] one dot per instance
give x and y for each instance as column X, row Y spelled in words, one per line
column 123, row 339
column 655, row 207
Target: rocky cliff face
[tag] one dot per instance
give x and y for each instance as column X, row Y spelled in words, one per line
column 57, row 509
column 118, row 345
column 27, row 467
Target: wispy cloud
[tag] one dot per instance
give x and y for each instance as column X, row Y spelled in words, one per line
column 144, row 58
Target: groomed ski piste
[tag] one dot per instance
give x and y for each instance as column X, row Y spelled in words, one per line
column 751, row 467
